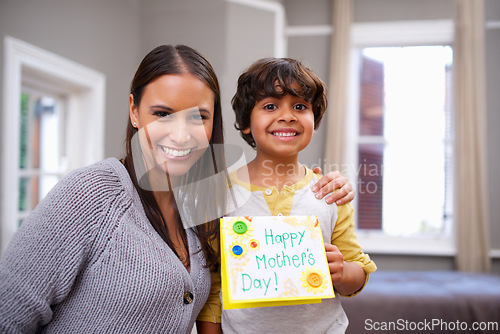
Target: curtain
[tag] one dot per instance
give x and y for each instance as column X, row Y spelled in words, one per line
column 471, row 207
column 338, row 82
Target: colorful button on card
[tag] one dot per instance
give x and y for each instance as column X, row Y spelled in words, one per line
column 240, row 227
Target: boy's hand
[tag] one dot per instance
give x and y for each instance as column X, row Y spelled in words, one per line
column 329, row 183
column 204, row 327
column 347, row 277
column 335, row 263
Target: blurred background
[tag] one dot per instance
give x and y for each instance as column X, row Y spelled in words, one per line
column 67, row 66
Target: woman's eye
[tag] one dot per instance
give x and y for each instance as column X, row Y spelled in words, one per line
column 198, row 117
column 162, row 114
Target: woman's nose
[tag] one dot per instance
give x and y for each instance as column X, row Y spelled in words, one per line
column 180, row 131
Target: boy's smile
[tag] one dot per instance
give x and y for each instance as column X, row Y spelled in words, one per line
column 281, row 127
column 285, row 133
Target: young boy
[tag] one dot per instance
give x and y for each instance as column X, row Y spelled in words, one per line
column 278, row 105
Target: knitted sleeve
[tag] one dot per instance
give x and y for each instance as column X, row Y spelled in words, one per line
column 42, row 261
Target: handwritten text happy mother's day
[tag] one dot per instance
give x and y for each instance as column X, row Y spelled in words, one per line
column 274, row 258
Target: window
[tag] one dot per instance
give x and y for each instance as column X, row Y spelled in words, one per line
column 52, row 122
column 42, row 160
column 401, row 115
column 404, row 139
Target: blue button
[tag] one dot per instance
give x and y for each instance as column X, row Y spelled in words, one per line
column 237, row 250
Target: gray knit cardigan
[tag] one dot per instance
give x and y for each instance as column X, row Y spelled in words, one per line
column 87, row 260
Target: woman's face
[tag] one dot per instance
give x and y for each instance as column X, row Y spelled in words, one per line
column 175, row 121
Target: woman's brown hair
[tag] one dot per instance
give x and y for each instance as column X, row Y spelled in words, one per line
column 181, row 59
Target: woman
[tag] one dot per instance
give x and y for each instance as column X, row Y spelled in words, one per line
column 106, row 250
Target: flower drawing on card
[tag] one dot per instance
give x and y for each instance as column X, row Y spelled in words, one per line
column 314, row 280
column 239, row 228
column 238, row 249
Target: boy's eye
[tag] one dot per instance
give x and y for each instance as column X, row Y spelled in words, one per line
column 269, row 106
column 300, row 107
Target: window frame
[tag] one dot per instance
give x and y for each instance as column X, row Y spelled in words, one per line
column 29, row 171
column 85, row 92
column 378, row 34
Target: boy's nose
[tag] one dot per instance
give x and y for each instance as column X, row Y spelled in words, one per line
column 287, row 115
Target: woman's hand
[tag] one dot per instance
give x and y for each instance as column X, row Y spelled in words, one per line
column 329, row 183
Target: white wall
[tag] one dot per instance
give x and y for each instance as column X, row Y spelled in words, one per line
column 102, row 35
column 199, row 24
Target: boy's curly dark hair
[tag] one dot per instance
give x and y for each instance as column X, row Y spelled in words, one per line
column 276, row 77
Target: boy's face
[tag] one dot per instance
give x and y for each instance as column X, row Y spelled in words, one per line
column 281, row 127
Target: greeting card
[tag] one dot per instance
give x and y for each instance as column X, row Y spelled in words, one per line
column 273, row 260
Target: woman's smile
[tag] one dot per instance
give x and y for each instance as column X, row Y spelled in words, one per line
column 176, row 154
